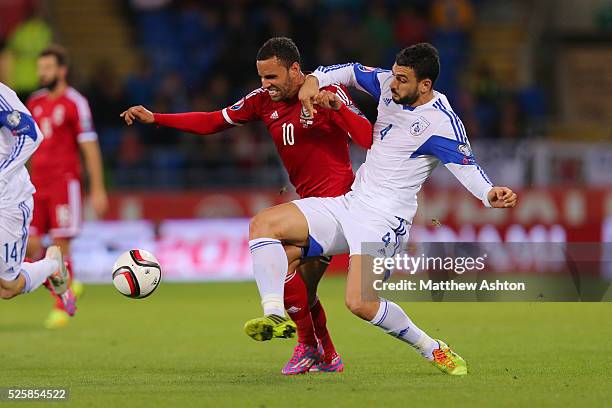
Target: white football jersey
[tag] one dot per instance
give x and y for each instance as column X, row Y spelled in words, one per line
column 19, row 138
column 408, row 144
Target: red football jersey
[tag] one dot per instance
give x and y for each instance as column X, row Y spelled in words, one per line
column 65, row 121
column 316, row 156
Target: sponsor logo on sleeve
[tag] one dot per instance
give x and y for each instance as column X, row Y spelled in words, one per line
column 14, row 119
column 237, row 105
column 364, row 68
column 465, row 150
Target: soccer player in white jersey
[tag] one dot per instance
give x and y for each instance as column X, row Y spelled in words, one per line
column 415, row 130
column 19, row 138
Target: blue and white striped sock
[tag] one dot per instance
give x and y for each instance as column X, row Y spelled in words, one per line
column 270, row 268
column 394, row 321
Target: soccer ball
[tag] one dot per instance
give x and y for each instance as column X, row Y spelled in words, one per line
column 136, row 274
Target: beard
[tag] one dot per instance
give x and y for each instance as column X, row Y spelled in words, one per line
column 279, row 95
column 284, row 91
column 50, row 85
column 406, row 100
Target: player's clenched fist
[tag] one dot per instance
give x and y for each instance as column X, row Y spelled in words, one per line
column 138, row 113
column 502, row 197
column 328, row 100
column 307, row 94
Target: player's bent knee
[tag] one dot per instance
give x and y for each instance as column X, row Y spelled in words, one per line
column 263, row 226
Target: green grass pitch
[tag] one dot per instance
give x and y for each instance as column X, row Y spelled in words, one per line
column 184, row 346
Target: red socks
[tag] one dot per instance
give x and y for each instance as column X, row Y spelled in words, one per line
column 311, row 321
column 319, row 320
column 296, row 304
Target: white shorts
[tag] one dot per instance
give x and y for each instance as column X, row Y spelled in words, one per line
column 14, row 225
column 344, row 224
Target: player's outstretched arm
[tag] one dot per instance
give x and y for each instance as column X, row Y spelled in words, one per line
column 347, row 118
column 245, row 110
column 351, row 74
column 344, row 74
column 201, row 123
column 458, row 158
column 473, row 178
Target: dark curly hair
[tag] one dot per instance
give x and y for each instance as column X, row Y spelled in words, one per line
column 423, row 58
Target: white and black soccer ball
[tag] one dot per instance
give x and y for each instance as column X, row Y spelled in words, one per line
column 137, row 273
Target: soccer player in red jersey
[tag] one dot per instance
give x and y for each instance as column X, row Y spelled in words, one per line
column 316, row 155
column 64, row 117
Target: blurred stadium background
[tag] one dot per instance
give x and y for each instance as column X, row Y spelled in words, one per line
column 531, row 81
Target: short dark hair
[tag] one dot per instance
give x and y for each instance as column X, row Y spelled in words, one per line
column 57, row 51
column 282, row 48
column 423, row 58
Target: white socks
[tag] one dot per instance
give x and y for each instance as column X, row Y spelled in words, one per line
column 35, row 273
column 394, row 321
column 270, row 268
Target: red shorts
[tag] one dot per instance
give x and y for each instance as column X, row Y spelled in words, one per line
column 57, row 209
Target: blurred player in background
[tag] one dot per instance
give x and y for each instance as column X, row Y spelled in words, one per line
column 316, row 156
column 19, row 138
column 64, row 117
column 415, row 131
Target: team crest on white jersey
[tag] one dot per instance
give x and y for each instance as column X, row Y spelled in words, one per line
column 14, row 119
column 418, row 126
